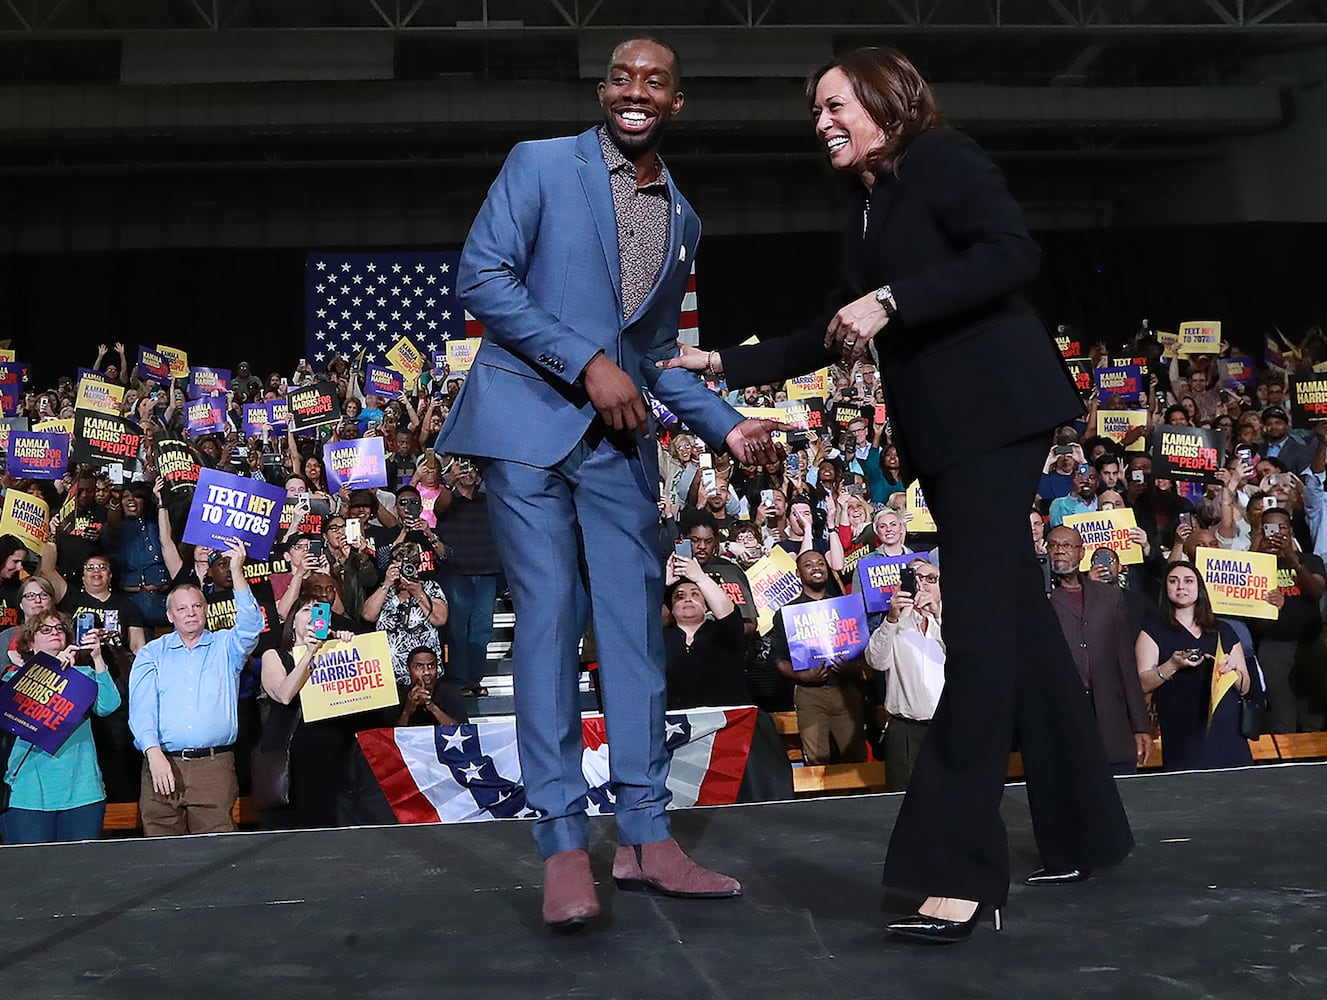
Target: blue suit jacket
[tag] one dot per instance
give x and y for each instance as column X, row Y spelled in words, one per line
column 540, row 270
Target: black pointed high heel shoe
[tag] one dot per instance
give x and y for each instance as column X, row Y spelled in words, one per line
column 937, row 930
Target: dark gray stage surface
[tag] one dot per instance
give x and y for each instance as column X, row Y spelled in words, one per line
column 1224, row 897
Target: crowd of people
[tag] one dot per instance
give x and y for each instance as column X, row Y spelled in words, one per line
column 417, row 561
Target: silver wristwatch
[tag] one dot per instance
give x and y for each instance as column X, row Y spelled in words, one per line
column 885, row 296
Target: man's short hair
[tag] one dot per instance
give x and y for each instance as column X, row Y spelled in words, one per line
column 184, row 585
column 362, row 498
column 653, row 40
column 1109, row 458
column 696, row 517
column 420, row 649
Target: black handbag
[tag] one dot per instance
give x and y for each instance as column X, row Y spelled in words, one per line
column 1251, row 717
column 269, row 773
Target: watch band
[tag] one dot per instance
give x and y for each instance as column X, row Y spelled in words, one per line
column 885, row 296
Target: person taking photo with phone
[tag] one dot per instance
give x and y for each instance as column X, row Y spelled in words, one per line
column 408, row 608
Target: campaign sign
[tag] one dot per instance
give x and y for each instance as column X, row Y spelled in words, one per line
column 665, row 416
column 153, row 366
column 177, row 361
column 1199, row 337
column 1238, row 582
column 1188, row 453
column 730, row 577
column 227, row 506
column 820, row 632
column 1168, row 342
column 774, row 583
column 804, row 414
column 1124, row 383
column 34, row 455
column 313, row 406
column 358, row 464
column 880, row 576
column 177, row 465
column 100, row 439
column 1242, row 370
column 204, row 416
column 461, row 353
column 1106, row 529
column 257, row 416
column 917, row 512
column 383, row 382
column 27, row 518
column 279, row 410
column 1119, row 424
column 207, row 382
column 1124, row 362
column 1308, row 399
column 812, row 386
column 1081, row 369
column 766, row 413
column 8, row 425
column 348, row 677
column 98, row 395
column 11, row 387
column 406, row 359
column 439, row 368
column 1070, row 347
column 56, row 425
column 44, row 701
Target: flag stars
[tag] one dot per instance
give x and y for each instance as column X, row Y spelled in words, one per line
column 370, row 315
column 406, row 325
column 420, row 314
column 371, row 291
column 472, row 772
column 433, row 325
column 382, row 325
column 331, row 324
column 321, row 313
column 445, row 268
column 320, row 288
column 445, row 290
column 322, row 265
column 396, row 315
column 405, row 303
column 430, row 302
column 321, row 334
column 396, row 269
column 356, row 325
column 371, row 268
column 431, row 279
column 419, row 268
column 356, row 301
column 331, row 300
column 345, row 314
column 357, row 278
column 405, row 279
column 432, row 346
column 396, row 290
column 345, row 266
column 345, row 289
column 319, row 356
column 446, row 314
column 382, row 302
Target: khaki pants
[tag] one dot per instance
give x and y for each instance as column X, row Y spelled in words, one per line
column 831, row 718
column 204, row 797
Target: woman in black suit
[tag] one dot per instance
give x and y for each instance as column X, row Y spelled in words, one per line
column 935, row 255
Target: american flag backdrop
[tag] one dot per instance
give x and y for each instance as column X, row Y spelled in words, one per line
column 357, row 302
column 368, row 301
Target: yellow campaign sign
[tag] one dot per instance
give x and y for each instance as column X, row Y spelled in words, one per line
column 1321, row 366
column 1238, row 582
column 753, row 339
column 766, row 413
column 27, row 518
column 774, row 583
column 813, row 386
column 55, row 425
column 919, row 512
column 461, row 353
column 1116, row 424
column 1106, row 529
column 1221, row 682
column 176, row 359
column 348, row 677
column 1168, row 342
column 1199, row 337
column 6, row 354
column 99, row 396
column 406, row 359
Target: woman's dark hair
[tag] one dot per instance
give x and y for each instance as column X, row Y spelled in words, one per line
column 1202, row 607
column 144, row 493
column 288, row 630
column 1174, row 408
column 893, row 93
column 9, row 544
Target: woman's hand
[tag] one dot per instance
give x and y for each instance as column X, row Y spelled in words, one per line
column 853, row 327
column 393, row 576
column 688, row 567
column 693, row 359
column 1180, row 659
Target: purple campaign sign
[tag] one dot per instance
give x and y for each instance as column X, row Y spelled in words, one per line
column 207, row 382
column 153, row 367
column 204, row 416
column 385, row 382
column 820, row 631
column 256, row 417
column 226, row 506
column 358, row 463
column 37, row 454
column 879, row 576
column 439, row 364
column 44, row 702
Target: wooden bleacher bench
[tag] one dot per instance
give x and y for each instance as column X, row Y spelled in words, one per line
column 122, row 817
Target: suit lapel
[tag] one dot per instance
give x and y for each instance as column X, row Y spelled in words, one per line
column 671, row 256
column 593, row 173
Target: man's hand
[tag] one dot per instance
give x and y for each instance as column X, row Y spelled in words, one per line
column 1276, row 598
column 615, row 396
column 417, row 698
column 813, row 676
column 1143, row 745
column 901, row 603
column 854, row 325
column 236, row 553
column 163, row 775
column 751, row 442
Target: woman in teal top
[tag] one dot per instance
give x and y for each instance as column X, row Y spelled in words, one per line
column 59, row 796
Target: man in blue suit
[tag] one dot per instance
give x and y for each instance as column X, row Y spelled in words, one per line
column 576, row 265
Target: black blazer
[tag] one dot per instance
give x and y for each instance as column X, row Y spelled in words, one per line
column 950, row 241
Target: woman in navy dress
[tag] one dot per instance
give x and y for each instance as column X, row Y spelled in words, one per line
column 1176, row 654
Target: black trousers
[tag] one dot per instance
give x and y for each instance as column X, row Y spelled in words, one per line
column 1009, row 680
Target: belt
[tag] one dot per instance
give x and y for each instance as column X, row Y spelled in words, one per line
column 915, row 722
column 192, row 754
column 153, row 588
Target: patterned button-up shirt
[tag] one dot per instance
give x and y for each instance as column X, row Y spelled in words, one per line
column 642, row 224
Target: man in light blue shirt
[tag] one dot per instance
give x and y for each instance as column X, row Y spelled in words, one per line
column 183, row 695
column 1081, row 499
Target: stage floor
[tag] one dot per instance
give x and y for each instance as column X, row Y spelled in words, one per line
column 1225, row 896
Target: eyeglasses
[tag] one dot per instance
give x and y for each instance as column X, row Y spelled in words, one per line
column 52, row 628
column 33, row 595
column 928, row 577
column 336, row 526
column 96, row 568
